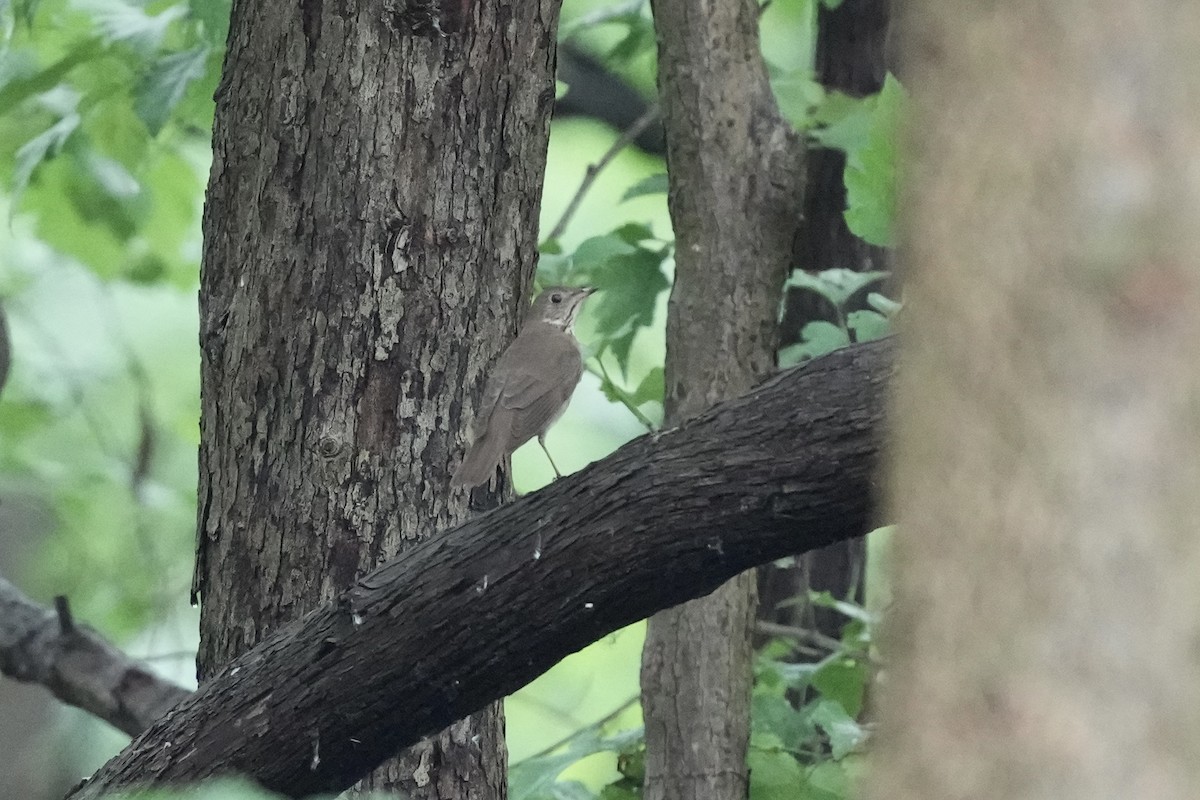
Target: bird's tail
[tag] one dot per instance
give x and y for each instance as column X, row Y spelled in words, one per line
column 479, row 464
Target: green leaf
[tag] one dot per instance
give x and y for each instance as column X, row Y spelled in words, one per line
column 884, row 305
column 818, row 338
column 594, row 253
column 771, row 712
column 843, row 681
column 829, row 780
column 843, row 122
column 41, row 147
column 118, row 21
column 619, row 792
column 836, row 285
column 214, row 19
column 535, row 778
column 629, row 277
column 631, row 762
column 553, row 268
column 17, row 90
column 618, row 13
column 639, row 39
column 654, row 184
column 843, row 731
column 166, row 83
column 868, row 325
column 634, row 233
column 800, row 97
column 775, row 774
column 651, row 389
column 871, row 170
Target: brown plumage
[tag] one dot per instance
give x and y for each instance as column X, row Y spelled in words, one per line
column 529, row 387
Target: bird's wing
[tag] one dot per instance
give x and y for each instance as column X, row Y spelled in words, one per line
column 540, row 377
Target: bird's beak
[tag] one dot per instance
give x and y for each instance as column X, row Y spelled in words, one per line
column 590, row 290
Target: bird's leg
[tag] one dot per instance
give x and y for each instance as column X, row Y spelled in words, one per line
column 542, row 442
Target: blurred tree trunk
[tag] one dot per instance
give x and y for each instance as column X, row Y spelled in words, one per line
column 736, row 183
column 1044, row 640
column 850, row 58
column 367, row 253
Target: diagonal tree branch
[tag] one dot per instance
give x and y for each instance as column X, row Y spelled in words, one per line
column 475, row 613
column 43, row 645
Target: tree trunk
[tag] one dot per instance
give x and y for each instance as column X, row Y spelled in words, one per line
column 850, row 59
column 1047, row 418
column 370, row 237
column 736, row 182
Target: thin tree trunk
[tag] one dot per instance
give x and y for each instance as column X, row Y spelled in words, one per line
column 1044, row 641
column 735, row 200
column 369, row 239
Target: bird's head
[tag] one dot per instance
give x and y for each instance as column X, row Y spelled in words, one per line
column 559, row 305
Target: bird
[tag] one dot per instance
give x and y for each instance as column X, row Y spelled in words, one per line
column 529, row 387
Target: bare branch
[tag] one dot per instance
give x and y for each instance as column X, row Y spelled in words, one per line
column 589, row 177
column 46, row 646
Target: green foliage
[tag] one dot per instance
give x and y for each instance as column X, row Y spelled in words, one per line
column 871, row 170
column 655, row 184
column 627, row 267
column 620, row 34
column 866, row 130
column 104, row 123
column 838, row 286
column 822, row 735
column 806, row 738
column 105, row 119
column 536, row 778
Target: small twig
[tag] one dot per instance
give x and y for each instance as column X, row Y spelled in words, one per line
column 607, row 718
column 804, row 634
column 630, row 133
column 621, row 394
column 62, row 607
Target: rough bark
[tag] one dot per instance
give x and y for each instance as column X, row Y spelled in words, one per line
column 736, row 182
column 1044, row 638
column 369, row 237
column 46, row 646
column 466, row 617
column 850, row 59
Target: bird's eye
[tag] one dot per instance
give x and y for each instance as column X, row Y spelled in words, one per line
column 556, row 298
